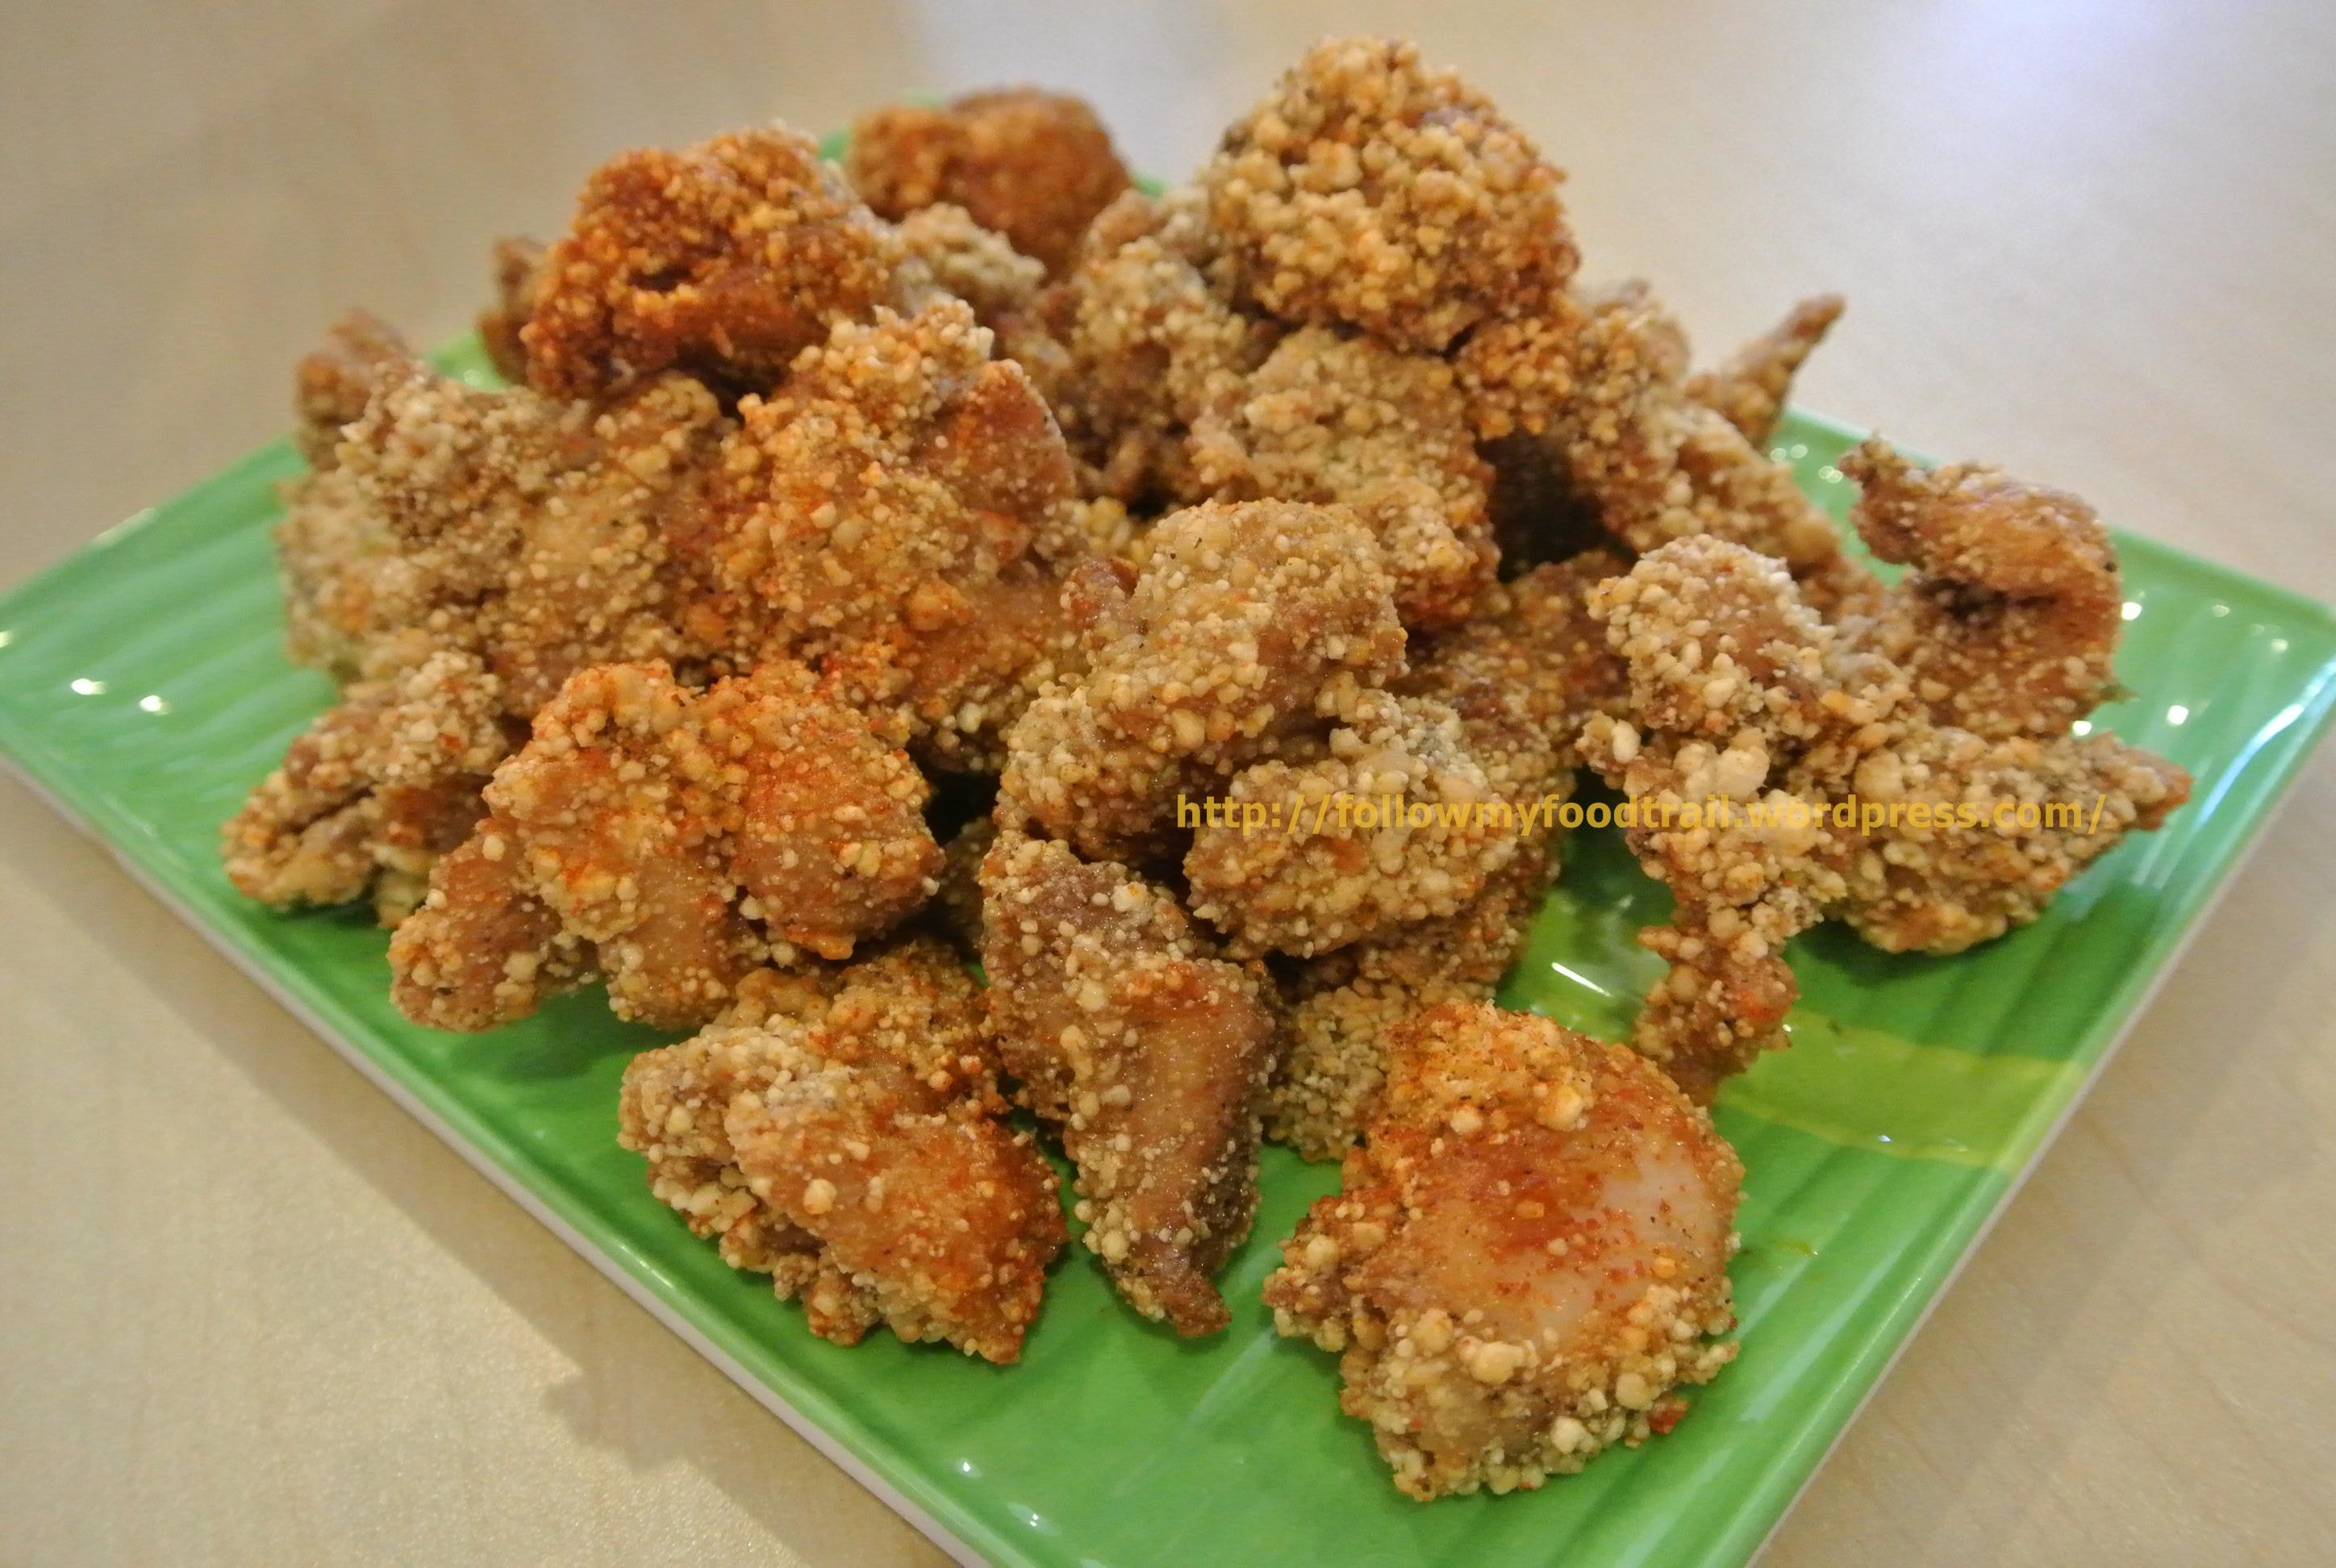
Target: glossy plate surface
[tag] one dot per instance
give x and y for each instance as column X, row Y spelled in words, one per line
column 143, row 691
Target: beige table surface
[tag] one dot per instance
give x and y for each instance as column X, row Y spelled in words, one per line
column 249, row 1312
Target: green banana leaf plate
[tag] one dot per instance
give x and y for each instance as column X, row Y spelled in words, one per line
column 143, row 689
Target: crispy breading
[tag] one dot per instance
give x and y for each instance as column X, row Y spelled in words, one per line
column 1525, row 673
column 2010, row 613
column 974, row 264
column 339, row 566
column 883, row 512
column 725, row 259
column 1523, row 676
column 1149, row 1053
column 1245, row 624
column 1749, row 389
column 1740, row 697
column 1327, row 418
column 332, row 381
column 686, row 837
column 533, row 532
column 1385, row 830
column 1370, row 191
column 842, row 1137
column 1527, row 1256
column 1035, row 166
column 1149, row 345
column 1342, row 1005
column 373, row 791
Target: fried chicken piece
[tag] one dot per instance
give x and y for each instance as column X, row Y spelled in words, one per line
column 1749, row 388
column 1035, row 166
column 1346, row 419
column 972, row 263
column 1149, row 345
column 1385, row 830
column 1149, row 1052
column 1524, row 674
column 2010, row 615
column 686, row 837
column 1369, row 191
column 533, row 532
column 1949, row 884
column 519, row 280
column 333, row 550
column 1524, row 677
column 1740, row 696
column 1245, row 625
column 884, row 513
column 725, row 259
column 1343, row 1005
column 373, row 791
column 1760, row 742
column 1527, row 1258
column 842, row 1137
column 1657, row 466
column 334, row 381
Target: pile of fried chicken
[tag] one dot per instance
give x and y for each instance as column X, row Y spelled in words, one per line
column 863, row 564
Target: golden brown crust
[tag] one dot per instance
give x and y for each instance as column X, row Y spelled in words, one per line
column 685, row 838
column 1149, row 346
column 2010, row 613
column 1743, row 702
column 886, row 512
column 371, row 793
column 1370, row 191
column 1749, row 388
column 532, row 532
column 725, row 259
column 519, row 280
column 1348, row 420
column 1151, row 1056
column 1244, row 618
column 1337, row 863
column 1527, row 1256
column 847, row 1143
column 1035, row 166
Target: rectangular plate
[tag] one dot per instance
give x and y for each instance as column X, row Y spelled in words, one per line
column 143, row 691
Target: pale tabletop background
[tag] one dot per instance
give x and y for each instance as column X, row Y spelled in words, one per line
column 250, row 1312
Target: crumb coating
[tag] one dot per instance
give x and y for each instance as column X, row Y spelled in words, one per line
column 1035, row 166
column 890, row 511
column 1243, row 619
column 1148, row 1053
column 725, row 259
column 1373, row 192
column 679, row 838
column 1527, row 1257
column 840, row 1133
column 373, row 791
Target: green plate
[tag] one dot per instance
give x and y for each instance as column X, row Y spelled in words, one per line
column 143, row 691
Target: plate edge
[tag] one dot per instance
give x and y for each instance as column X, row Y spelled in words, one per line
column 2276, row 809
column 926, row 1524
